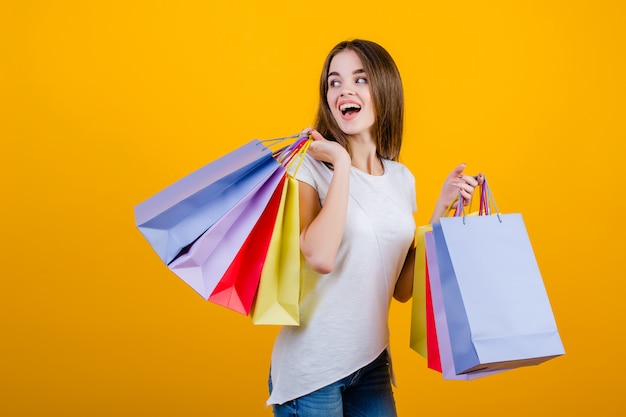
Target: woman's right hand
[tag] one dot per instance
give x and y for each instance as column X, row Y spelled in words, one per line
column 326, row 150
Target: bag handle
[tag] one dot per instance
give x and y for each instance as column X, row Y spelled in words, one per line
column 487, row 202
column 298, row 153
column 274, row 141
column 287, row 155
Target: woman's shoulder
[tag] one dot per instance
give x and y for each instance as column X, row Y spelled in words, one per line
column 311, row 163
column 397, row 168
column 309, row 169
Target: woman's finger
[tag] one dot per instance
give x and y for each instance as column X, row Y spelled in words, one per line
column 317, row 135
column 473, row 181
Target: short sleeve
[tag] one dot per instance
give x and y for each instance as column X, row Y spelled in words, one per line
column 305, row 170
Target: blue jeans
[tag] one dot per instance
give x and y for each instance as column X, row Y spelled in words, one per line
column 365, row 393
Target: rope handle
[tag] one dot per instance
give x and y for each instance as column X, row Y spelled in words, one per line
column 287, row 155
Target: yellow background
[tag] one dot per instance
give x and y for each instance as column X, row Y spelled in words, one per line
column 104, row 103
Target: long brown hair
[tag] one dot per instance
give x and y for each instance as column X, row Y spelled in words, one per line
column 387, row 95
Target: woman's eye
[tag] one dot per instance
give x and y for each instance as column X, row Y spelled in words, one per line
column 361, row 80
column 334, row 83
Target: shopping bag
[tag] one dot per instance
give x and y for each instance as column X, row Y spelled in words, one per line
column 278, row 296
column 444, row 348
column 433, row 357
column 498, row 313
column 237, row 287
column 418, row 336
column 175, row 217
column 203, row 264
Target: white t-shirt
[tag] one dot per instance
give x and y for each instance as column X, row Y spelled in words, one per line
column 344, row 314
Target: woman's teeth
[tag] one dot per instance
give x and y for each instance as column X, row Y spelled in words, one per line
column 349, row 107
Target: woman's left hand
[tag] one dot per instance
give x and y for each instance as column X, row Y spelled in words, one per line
column 456, row 184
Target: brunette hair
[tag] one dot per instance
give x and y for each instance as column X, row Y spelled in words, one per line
column 387, row 96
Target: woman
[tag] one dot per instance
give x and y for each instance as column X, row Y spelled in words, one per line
column 357, row 228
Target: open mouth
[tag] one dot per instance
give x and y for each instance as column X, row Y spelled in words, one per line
column 349, row 108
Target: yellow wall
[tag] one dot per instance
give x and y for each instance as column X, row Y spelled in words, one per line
column 104, row 103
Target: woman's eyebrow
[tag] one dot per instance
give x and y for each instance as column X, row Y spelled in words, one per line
column 358, row 71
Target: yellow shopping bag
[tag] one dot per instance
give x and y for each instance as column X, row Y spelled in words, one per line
column 418, row 307
column 278, row 296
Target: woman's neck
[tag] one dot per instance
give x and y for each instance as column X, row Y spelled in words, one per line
column 364, row 155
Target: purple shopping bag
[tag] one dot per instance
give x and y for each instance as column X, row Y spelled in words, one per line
column 175, row 217
column 205, row 261
column 443, row 338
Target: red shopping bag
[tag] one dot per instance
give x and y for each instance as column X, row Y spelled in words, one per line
column 432, row 344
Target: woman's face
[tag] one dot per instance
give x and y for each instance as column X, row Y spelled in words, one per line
column 349, row 96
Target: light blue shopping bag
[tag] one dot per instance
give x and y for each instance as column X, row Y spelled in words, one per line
column 497, row 309
column 176, row 216
column 204, row 263
column 441, row 322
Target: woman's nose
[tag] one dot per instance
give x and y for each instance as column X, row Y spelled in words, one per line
column 347, row 92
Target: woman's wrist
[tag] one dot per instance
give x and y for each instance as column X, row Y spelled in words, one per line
column 343, row 162
column 439, row 211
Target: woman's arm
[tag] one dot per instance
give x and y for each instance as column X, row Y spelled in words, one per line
column 321, row 228
column 404, row 286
